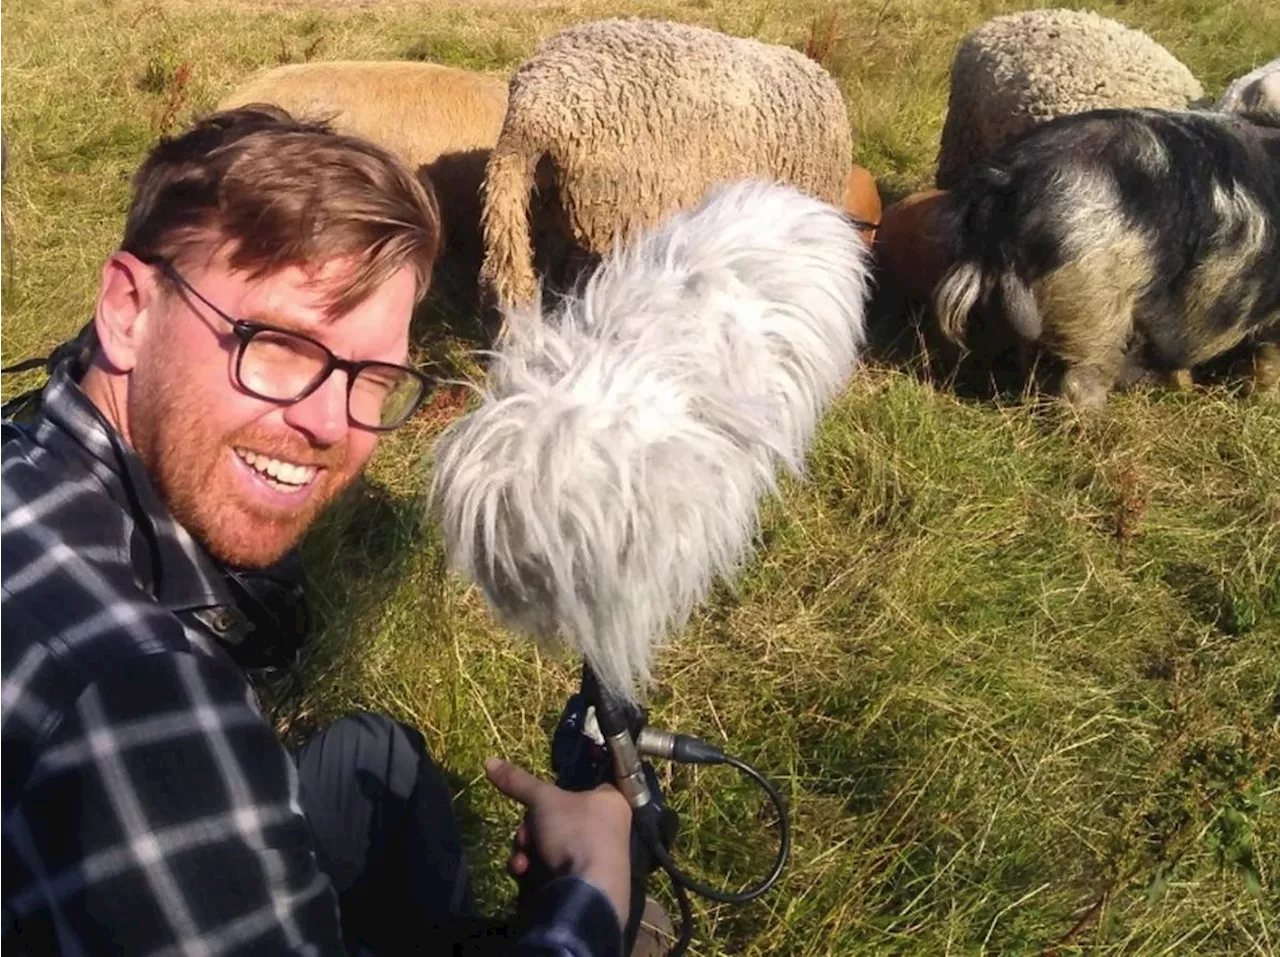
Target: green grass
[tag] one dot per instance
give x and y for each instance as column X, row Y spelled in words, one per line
column 1018, row 676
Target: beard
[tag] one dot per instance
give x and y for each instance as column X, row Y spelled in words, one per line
column 190, row 464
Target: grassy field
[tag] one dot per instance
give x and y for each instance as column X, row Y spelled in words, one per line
column 1018, row 677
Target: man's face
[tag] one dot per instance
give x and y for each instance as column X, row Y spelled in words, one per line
column 246, row 476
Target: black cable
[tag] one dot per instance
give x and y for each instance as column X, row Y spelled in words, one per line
column 684, row 749
column 647, row 822
column 686, row 919
column 649, row 828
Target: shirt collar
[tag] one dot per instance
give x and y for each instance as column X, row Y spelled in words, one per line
column 164, row 555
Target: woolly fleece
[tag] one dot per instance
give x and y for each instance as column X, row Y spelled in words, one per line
column 639, row 118
column 1020, row 69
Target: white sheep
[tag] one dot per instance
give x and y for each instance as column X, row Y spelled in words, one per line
column 1017, row 70
column 1256, row 93
column 440, row 121
column 621, row 122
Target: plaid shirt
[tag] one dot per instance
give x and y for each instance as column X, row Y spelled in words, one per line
column 149, row 808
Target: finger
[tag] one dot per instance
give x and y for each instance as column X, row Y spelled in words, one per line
column 521, row 840
column 518, row 864
column 515, row 782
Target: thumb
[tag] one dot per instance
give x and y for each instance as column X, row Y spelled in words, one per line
column 515, row 782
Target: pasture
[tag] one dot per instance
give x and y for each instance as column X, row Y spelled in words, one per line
column 1017, row 675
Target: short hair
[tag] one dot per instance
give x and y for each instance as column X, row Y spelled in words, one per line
column 276, row 191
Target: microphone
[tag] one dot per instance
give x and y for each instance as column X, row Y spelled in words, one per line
column 613, row 468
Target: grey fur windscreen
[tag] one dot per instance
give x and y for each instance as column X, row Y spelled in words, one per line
column 615, row 465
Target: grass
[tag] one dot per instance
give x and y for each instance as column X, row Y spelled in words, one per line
column 1018, row 676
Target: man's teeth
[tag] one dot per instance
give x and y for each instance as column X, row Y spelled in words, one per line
column 284, row 473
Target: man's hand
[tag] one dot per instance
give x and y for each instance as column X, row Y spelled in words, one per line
column 585, row 833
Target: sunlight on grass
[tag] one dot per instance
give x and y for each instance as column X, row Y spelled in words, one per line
column 1018, row 676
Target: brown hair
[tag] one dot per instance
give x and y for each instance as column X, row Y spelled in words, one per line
column 279, row 192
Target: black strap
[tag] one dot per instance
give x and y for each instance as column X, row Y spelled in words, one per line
column 80, row 346
column 19, row 402
column 17, row 405
column 26, row 365
column 11, row 411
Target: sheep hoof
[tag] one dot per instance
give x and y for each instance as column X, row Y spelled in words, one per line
column 1180, row 380
column 1266, row 370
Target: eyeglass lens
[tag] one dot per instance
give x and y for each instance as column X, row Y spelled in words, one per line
column 278, row 366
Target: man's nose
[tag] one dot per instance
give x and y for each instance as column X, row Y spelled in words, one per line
column 323, row 414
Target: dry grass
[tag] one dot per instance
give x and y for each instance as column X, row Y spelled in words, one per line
column 1018, row 676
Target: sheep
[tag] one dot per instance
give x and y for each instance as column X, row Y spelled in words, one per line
column 910, row 247
column 1116, row 243
column 862, row 202
column 440, row 121
column 1020, row 69
column 622, row 122
column 1255, row 93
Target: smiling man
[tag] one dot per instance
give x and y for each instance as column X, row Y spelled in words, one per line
column 249, row 345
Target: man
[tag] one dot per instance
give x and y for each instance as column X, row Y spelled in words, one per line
column 249, row 345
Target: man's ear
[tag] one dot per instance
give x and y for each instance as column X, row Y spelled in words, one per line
column 128, row 295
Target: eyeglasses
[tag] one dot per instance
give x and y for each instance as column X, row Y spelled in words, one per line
column 283, row 366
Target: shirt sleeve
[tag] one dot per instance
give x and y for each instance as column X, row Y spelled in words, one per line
column 574, row 919
column 167, row 818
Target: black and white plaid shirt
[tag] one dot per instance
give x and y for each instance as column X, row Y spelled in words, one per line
column 149, row 808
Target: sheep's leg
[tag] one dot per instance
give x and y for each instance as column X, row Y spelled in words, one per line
column 1176, row 380
column 1027, row 355
column 1266, row 367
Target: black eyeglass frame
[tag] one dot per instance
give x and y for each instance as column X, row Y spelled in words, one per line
column 245, row 330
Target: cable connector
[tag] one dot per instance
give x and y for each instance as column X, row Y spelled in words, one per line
column 684, row 748
column 628, row 774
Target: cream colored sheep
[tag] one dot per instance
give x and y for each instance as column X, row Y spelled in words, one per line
column 1020, row 69
column 441, row 121
column 620, row 122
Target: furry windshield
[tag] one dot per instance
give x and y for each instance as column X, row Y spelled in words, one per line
column 615, row 465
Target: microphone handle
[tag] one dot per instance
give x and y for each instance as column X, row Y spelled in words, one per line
column 582, row 763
